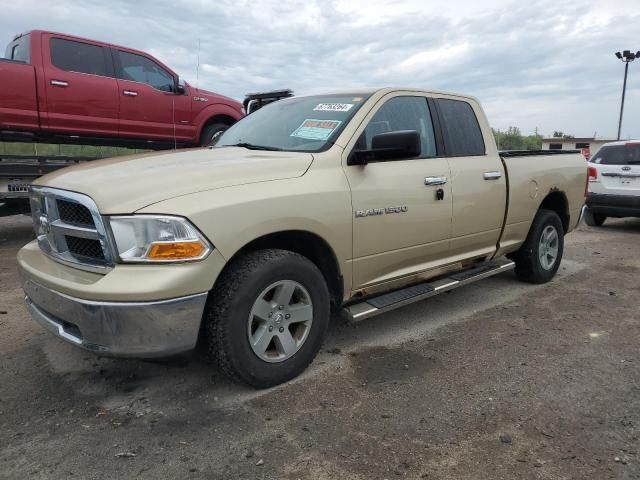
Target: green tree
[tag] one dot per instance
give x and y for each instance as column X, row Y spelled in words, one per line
column 561, row 134
column 512, row 139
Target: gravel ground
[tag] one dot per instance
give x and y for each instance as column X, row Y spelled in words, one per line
column 495, row 380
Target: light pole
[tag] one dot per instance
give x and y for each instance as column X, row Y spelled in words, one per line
column 627, row 57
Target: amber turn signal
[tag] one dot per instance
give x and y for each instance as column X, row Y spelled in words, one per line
column 176, row 250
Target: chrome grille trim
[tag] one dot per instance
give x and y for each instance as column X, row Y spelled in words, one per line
column 51, row 229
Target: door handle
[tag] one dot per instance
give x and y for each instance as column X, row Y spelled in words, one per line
column 429, row 181
column 59, row 83
column 492, row 175
column 130, row 93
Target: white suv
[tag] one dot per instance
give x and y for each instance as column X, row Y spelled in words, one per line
column 614, row 182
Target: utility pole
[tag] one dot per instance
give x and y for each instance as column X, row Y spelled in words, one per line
column 626, row 57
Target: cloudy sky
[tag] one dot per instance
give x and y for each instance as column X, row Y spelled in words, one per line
column 534, row 64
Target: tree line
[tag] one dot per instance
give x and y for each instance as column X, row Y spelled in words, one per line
column 512, row 139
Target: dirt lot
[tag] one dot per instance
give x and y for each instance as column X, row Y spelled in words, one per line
column 495, row 380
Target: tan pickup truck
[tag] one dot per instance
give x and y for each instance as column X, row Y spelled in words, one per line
column 359, row 202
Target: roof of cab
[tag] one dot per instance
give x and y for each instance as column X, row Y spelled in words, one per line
column 385, row 90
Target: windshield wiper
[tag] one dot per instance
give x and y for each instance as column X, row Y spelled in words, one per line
column 251, row 146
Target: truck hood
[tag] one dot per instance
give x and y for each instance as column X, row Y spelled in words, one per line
column 126, row 184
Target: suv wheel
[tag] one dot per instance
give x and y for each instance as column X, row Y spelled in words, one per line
column 267, row 317
column 539, row 258
column 210, row 133
column 593, row 219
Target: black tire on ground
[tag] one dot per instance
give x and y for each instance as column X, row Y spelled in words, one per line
column 529, row 264
column 593, row 219
column 228, row 311
column 211, row 132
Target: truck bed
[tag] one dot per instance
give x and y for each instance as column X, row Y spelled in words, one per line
column 532, row 175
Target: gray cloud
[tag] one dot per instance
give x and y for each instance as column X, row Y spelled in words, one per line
column 538, row 64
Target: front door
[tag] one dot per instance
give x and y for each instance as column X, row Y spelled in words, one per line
column 401, row 208
column 149, row 106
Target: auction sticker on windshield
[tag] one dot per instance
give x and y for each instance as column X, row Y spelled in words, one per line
column 333, row 107
column 313, row 129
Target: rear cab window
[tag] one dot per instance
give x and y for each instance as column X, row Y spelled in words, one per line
column 20, row 49
column 462, row 134
column 618, row 155
column 80, row 57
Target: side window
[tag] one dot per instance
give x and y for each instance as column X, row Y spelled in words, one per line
column 402, row 113
column 141, row 69
column 79, row 57
column 19, row 50
column 462, row 131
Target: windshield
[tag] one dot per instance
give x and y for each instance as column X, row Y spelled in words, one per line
column 303, row 124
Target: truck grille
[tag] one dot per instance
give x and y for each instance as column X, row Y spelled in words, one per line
column 84, row 248
column 74, row 213
column 18, row 187
column 70, row 229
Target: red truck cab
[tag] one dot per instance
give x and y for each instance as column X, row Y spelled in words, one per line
column 63, row 88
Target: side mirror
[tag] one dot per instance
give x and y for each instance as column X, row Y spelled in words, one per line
column 396, row 145
column 180, row 87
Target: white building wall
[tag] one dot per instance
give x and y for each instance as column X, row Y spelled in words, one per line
column 570, row 144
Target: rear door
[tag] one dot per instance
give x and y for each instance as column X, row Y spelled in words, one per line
column 478, row 180
column 618, row 168
column 149, row 105
column 81, row 93
column 401, row 224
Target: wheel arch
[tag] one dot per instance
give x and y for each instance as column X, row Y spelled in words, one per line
column 309, row 245
column 556, row 201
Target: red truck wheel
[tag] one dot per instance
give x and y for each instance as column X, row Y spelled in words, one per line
column 211, row 132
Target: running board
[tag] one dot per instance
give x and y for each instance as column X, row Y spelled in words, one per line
column 399, row 298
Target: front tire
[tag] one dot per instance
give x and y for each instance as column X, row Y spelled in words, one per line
column 267, row 316
column 593, row 219
column 210, row 133
column 539, row 258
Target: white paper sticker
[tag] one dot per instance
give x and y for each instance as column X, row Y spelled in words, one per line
column 313, row 129
column 333, row 107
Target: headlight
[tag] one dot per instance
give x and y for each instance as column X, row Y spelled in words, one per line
column 156, row 238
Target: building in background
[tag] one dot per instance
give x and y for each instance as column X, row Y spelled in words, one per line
column 587, row 146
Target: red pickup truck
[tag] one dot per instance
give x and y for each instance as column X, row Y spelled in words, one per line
column 60, row 88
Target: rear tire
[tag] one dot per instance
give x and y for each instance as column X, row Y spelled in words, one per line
column 539, row 258
column 211, row 132
column 593, row 219
column 252, row 332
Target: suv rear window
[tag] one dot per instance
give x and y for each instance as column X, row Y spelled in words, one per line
column 462, row 131
column 618, row 155
column 79, row 57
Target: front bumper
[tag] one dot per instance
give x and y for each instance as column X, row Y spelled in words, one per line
column 614, row 205
column 124, row 329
